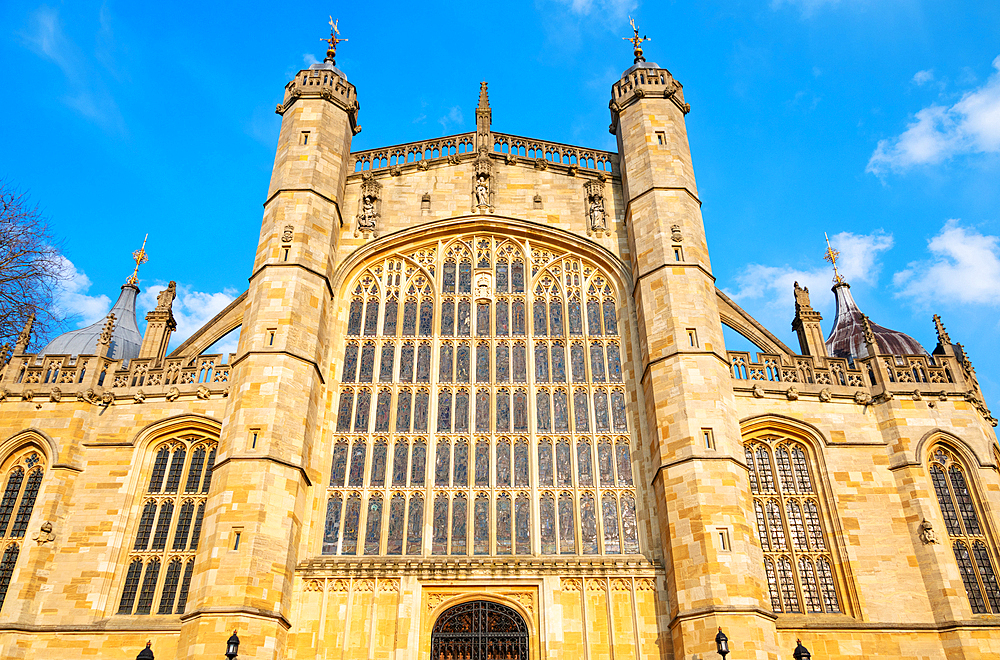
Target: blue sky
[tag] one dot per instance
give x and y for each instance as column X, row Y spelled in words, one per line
column 877, row 121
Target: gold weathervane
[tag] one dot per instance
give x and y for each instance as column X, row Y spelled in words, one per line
column 636, row 41
column 334, row 39
column 140, row 257
column 832, row 255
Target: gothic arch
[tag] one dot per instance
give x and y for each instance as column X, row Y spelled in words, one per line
column 954, row 443
column 509, row 635
column 43, row 441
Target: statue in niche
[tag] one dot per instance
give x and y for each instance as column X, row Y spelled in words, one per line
column 482, row 184
column 482, row 190
column 597, row 218
column 370, row 208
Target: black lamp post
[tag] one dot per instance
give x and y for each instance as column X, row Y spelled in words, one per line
column 145, row 654
column 722, row 644
column 232, row 646
column 801, row 652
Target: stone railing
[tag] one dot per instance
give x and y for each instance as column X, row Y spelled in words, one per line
column 414, row 152
column 96, row 379
column 553, row 152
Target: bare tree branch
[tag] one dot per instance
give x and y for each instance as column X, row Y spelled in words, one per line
column 31, row 266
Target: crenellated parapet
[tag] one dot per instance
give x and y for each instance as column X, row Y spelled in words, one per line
column 645, row 80
column 324, row 83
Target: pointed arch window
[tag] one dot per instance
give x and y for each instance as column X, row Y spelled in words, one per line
column 502, row 411
column 168, row 526
column 22, row 481
column 960, row 510
column 798, row 563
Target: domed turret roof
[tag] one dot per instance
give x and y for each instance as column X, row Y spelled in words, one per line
column 847, row 338
column 125, row 339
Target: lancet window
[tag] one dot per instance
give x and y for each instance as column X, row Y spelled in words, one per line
column 966, row 533
column 495, row 421
column 791, row 525
column 22, row 480
column 161, row 561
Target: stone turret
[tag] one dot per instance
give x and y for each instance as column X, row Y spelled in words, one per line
column 160, row 324
column 807, row 324
column 701, row 485
column 278, row 396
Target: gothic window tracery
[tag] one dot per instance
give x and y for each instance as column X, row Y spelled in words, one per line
column 22, row 480
column 161, row 561
column 506, row 371
column 973, row 551
column 798, row 564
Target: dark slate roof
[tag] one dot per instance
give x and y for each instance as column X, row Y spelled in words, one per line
column 847, row 338
column 125, row 340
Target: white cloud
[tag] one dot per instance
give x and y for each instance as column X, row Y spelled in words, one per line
column 923, row 77
column 769, row 288
column 963, row 267
column 972, row 125
column 71, row 300
column 192, row 310
column 612, row 8
column 309, row 59
column 453, row 117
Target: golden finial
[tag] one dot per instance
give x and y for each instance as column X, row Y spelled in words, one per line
column 636, row 41
column 832, row 255
column 139, row 256
column 334, row 39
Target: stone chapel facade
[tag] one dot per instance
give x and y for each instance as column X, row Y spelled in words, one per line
column 481, row 407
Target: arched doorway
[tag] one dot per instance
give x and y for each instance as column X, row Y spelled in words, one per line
column 479, row 630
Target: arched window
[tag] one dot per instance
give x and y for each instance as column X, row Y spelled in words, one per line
column 22, row 479
column 502, row 365
column 168, row 527
column 480, row 629
column 791, row 527
column 967, row 534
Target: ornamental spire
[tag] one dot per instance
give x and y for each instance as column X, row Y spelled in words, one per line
column 636, row 41
column 139, row 257
column 331, row 51
column 832, row 255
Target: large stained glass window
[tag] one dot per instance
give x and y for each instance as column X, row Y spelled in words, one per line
column 22, row 482
column 482, row 407
column 798, row 561
column 960, row 510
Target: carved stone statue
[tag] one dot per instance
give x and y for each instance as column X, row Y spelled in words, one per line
column 598, row 221
column 482, row 184
column 370, row 207
column 482, row 190
column 801, row 297
column 45, row 534
column 927, row 533
column 165, row 298
column 366, row 221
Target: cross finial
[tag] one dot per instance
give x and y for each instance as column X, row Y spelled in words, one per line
column 140, row 257
column 832, row 255
column 636, row 41
column 331, row 52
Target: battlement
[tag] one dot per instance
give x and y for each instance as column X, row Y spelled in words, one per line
column 325, row 84
column 644, row 80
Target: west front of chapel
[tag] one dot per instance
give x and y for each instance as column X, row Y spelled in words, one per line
column 481, row 408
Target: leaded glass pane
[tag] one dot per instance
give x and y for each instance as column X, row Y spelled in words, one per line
column 371, row 317
column 521, row 464
column 606, row 463
column 361, row 414
column 614, row 363
column 581, row 417
column 522, row 525
column 415, row 526
column 539, row 324
column 762, row 537
column 774, row 525
column 424, row 363
column 128, row 594
column 630, row 530
column 377, row 478
column 386, row 363
column 331, row 531
column 373, row 527
column 400, row 463
column 367, row 362
column 593, row 318
column 145, row 603
column 597, row 362
column 813, row 526
column 810, row 589
column 442, row 463
column 504, row 519
column 520, row 410
column 420, row 408
column 764, row 470
column 542, row 411
column 545, row 463
column 418, row 464
column 481, row 527
column 444, row 411
column 483, row 463
column 382, row 411
column 619, row 423
column 772, row 584
column 464, row 318
column 344, row 414
column 174, row 476
column 503, row 363
column 624, row 463
column 465, row 277
column 784, row 469
column 988, row 575
column 558, row 362
column 801, row 470
column 517, row 318
column 409, row 317
column 564, row 464
column 483, row 363
column 964, row 499
column 449, row 276
column 968, row 572
column 403, row 409
column 459, row 524
column 610, row 318
column 503, row 410
column 795, row 526
column 578, row 362
column 389, row 322
column 462, row 361
column 945, row 501
column 445, row 364
column 503, row 464
column 588, row 525
column 612, row 544
column 517, row 276
column 358, row 457
column 503, row 319
column 575, row 317
column 145, row 526
column 397, row 513
column 448, row 317
column 354, row 318
column 547, row 514
column 350, row 362
column 787, row 584
column 352, row 519
column 556, row 317
column 602, row 423
column 406, row 363
column 827, row 586
column 10, row 494
column 541, row 363
column 462, row 411
column 439, row 542
column 183, row 526
column 567, row 540
column 584, row 463
column 426, row 317
column 482, row 319
column 461, row 476
column 503, row 268
column 560, row 408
